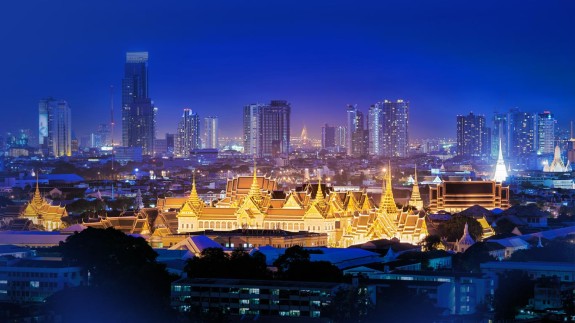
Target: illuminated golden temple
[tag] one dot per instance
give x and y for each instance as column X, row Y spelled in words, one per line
column 252, row 202
column 44, row 214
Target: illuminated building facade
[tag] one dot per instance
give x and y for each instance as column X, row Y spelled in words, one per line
column 42, row 213
column 210, row 136
column 253, row 203
column 187, row 136
column 138, row 112
column 395, row 127
column 557, row 165
column 55, row 127
column 328, row 137
column 545, row 133
column 267, row 129
column 522, row 132
column 453, row 197
column 375, row 129
column 473, row 137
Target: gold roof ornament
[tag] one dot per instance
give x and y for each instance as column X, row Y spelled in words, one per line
column 387, row 201
column 255, row 191
column 194, row 199
column 319, row 198
column 415, row 199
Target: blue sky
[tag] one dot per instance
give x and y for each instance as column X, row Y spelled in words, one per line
column 445, row 57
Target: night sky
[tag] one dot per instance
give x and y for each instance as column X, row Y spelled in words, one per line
column 445, row 57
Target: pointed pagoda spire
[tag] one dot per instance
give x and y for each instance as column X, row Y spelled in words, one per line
column 415, row 199
column 37, row 199
column 255, row 190
column 194, row 198
column 319, row 198
column 500, row 169
column 387, row 201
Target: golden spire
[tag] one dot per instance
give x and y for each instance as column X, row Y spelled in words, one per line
column 415, row 199
column 194, row 199
column 319, row 199
column 387, row 201
column 255, row 190
column 37, row 199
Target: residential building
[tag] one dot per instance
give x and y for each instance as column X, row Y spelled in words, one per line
column 473, row 138
column 55, row 127
column 395, row 127
column 522, row 132
column 210, row 135
column 545, row 133
column 328, row 137
column 187, row 136
column 375, row 129
column 138, row 111
column 267, row 129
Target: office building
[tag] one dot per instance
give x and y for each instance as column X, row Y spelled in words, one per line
column 395, row 128
column 138, row 112
column 188, row 135
column 170, row 143
column 352, row 126
column 522, row 132
column 473, row 136
column 375, row 129
column 545, row 133
column 340, row 137
column 210, row 135
column 328, row 137
column 55, row 128
column 267, row 129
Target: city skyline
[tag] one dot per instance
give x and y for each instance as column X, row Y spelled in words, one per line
column 217, row 59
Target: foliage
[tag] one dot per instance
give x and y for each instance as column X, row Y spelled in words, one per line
column 215, row 263
column 514, row 291
column 452, row 229
column 126, row 282
column 472, row 258
column 430, row 242
column 348, row 305
column 82, row 205
column 295, row 264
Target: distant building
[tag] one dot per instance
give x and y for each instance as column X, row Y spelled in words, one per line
column 340, row 136
column 328, row 137
column 545, row 133
column 451, row 196
column 395, row 127
column 187, row 137
column 267, row 129
column 522, row 132
column 55, row 128
column 557, row 165
column 210, row 135
column 44, row 214
column 473, row 138
column 138, row 111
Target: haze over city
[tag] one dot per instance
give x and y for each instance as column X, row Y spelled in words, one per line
column 445, row 58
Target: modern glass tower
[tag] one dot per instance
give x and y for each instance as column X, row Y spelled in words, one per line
column 267, row 129
column 473, row 137
column 55, row 127
column 138, row 112
column 545, row 133
column 210, row 136
column 188, row 135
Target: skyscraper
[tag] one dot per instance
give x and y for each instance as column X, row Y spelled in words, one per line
column 500, row 135
column 522, row 131
column 55, row 127
column 473, row 137
column 359, row 137
column 138, row 112
column 340, row 137
column 328, row 137
column 545, row 133
column 210, row 135
column 351, row 126
column 267, row 129
column 188, row 134
column 389, row 133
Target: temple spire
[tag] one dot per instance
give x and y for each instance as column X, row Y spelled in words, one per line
column 255, row 190
column 415, row 199
column 500, row 169
column 194, row 198
column 387, row 201
column 37, row 198
column 319, row 199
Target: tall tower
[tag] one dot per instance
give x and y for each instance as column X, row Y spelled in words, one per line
column 352, row 126
column 188, row 134
column 375, row 129
column 545, row 133
column 472, row 136
column 252, row 121
column 55, row 127
column 500, row 169
column 327, row 137
column 138, row 112
column 395, row 128
column 210, row 136
column 522, row 132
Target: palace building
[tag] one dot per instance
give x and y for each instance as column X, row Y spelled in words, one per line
column 44, row 214
column 253, row 203
column 456, row 196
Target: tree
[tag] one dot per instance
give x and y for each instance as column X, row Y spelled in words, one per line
column 215, row 263
column 430, row 242
column 452, row 229
column 122, row 270
column 295, row 264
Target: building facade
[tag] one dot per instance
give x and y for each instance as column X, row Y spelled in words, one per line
column 545, row 133
column 328, row 137
column 138, row 111
column 210, row 135
column 473, row 137
column 375, row 130
column 267, row 129
column 187, row 137
column 395, row 128
column 55, row 127
column 453, row 197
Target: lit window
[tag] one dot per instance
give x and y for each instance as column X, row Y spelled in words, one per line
column 34, row 284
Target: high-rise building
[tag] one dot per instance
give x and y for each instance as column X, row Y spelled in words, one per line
column 267, row 129
column 328, row 137
column 351, row 127
column 359, row 138
column 473, row 137
column 170, row 143
column 340, row 137
column 501, row 133
column 55, row 127
column 188, row 134
column 395, row 128
column 545, row 133
column 375, row 129
column 522, row 132
column 138, row 112
column 210, row 135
